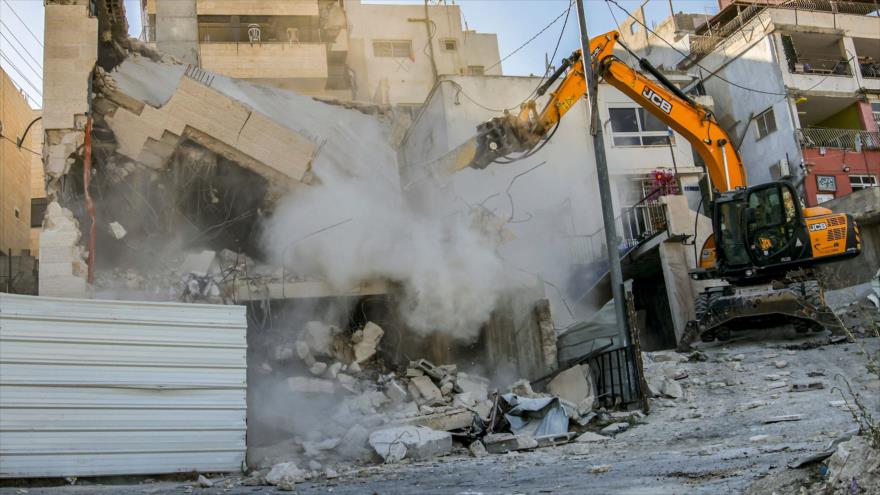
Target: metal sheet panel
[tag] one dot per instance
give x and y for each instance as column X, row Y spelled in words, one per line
column 91, row 388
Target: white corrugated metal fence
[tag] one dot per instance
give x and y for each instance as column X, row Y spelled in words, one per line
column 91, row 387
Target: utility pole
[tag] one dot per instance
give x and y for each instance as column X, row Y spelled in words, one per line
column 611, row 240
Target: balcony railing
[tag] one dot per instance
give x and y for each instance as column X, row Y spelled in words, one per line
column 847, row 139
column 702, row 45
column 634, row 224
column 822, row 66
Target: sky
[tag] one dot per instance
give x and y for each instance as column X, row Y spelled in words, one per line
column 515, row 22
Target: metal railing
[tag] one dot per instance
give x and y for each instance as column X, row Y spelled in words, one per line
column 634, row 224
column 848, row 139
column 821, row 66
column 617, row 380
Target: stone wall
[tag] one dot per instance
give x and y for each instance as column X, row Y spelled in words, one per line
column 15, row 169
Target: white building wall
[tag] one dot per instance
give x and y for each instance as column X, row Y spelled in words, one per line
column 750, row 83
column 91, row 388
column 409, row 80
column 555, row 206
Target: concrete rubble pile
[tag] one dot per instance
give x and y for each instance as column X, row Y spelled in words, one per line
column 423, row 410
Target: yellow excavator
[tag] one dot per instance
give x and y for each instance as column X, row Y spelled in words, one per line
column 764, row 243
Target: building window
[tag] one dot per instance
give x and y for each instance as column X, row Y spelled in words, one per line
column 475, row 70
column 396, row 49
column 858, row 182
column 633, row 126
column 765, row 123
column 450, row 45
column 875, row 111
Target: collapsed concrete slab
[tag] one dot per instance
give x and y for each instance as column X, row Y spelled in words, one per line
column 413, row 442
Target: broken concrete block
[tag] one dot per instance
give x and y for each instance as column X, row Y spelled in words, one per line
column 477, row 449
column 552, row 440
column 604, row 468
column 117, row 230
column 333, row 370
column 465, row 399
column 455, row 419
column 429, row 369
column 318, row 368
column 354, row 442
column 446, row 388
column 315, row 465
column 522, row 388
column 477, row 386
column 759, row 438
column 590, row 437
column 395, row 391
column 204, row 482
column 283, row 353
column 354, row 368
column 573, row 386
column 319, row 337
column 806, row 386
column 414, row 442
column 305, row 385
column 200, row 264
column 285, row 472
column 780, row 364
column 366, row 348
column 302, row 350
column 427, row 389
column 414, row 372
column 615, row 428
column 501, row 443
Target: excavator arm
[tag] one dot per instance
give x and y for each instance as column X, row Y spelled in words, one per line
column 500, row 139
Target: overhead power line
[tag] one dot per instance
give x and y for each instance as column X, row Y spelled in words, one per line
column 35, row 87
column 533, row 38
column 22, row 22
column 685, row 55
column 38, row 73
column 22, row 45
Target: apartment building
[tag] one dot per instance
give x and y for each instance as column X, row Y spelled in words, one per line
column 795, row 83
column 16, row 164
column 387, row 54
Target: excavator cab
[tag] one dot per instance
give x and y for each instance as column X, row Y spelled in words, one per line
column 758, row 227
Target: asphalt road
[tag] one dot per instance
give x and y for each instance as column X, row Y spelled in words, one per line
column 710, row 441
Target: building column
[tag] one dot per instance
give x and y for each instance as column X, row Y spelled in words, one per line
column 177, row 30
column 71, row 50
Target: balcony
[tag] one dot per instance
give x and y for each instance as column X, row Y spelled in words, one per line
column 267, row 60
column 845, row 139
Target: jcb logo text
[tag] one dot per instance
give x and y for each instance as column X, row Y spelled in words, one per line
column 657, row 100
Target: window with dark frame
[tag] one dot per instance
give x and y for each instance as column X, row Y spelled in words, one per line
column 859, row 182
column 633, row 126
column 765, row 123
column 450, row 44
column 392, row 48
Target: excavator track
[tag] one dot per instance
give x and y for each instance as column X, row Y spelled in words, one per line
column 721, row 310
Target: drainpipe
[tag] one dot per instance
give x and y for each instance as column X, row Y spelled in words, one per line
column 90, row 205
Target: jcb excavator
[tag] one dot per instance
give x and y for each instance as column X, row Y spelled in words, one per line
column 764, row 243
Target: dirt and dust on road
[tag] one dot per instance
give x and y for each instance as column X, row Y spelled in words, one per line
column 769, row 411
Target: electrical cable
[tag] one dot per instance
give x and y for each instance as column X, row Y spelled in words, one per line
column 552, row 57
column 22, row 22
column 539, row 33
column 31, row 67
column 685, row 55
column 15, row 68
column 20, row 147
column 22, row 45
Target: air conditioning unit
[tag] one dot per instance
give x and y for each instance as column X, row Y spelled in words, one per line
column 780, row 169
